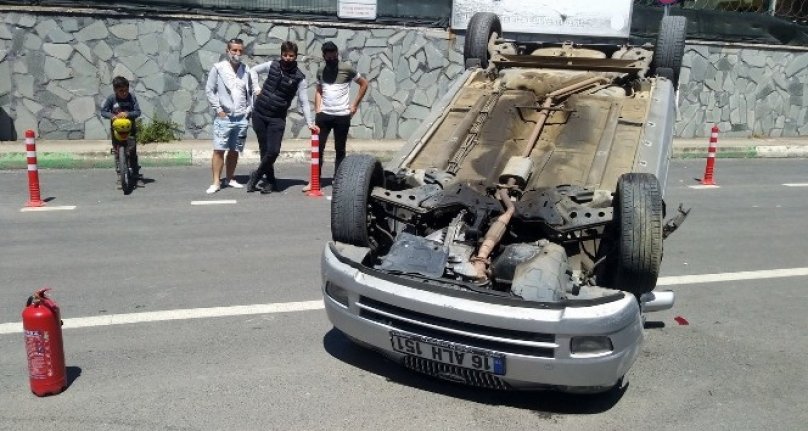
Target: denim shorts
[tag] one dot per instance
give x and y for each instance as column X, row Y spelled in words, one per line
column 229, row 133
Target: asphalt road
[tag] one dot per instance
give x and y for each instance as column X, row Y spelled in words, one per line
column 739, row 364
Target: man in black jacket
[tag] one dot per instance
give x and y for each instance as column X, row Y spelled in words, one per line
column 284, row 81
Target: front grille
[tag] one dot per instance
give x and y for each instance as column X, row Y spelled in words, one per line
column 402, row 319
column 456, row 374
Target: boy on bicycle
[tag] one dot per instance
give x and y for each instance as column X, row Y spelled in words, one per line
column 123, row 104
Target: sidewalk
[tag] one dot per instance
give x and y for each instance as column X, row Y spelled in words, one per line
column 90, row 154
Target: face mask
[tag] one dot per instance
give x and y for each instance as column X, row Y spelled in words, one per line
column 287, row 65
column 331, row 63
column 234, row 58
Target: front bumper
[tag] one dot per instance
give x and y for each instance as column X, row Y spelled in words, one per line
column 534, row 339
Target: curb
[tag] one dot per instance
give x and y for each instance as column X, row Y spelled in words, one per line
column 99, row 159
column 92, row 160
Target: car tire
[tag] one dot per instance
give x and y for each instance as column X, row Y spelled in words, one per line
column 670, row 46
column 638, row 212
column 481, row 26
column 353, row 182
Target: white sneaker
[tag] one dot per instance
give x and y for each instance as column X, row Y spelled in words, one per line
column 212, row 189
column 233, row 183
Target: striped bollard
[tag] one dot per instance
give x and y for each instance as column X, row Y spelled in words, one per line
column 33, row 174
column 315, row 167
column 709, row 170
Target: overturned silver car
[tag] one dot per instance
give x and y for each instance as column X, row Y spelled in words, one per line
column 516, row 241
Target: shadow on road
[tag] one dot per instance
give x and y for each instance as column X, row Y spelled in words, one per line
column 72, row 373
column 544, row 403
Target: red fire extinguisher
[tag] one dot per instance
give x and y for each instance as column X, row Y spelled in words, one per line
column 42, row 325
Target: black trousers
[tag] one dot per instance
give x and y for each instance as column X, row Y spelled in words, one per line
column 340, row 125
column 270, row 134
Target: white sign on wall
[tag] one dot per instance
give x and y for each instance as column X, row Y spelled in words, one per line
column 605, row 18
column 356, row 9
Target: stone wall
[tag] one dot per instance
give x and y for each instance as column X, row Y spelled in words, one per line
column 747, row 91
column 55, row 70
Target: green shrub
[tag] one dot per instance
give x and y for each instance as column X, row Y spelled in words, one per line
column 158, row 130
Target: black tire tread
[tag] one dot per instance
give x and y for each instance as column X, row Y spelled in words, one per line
column 670, row 46
column 478, row 32
column 353, row 182
column 639, row 213
column 123, row 166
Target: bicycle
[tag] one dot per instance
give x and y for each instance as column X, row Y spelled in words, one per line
column 121, row 128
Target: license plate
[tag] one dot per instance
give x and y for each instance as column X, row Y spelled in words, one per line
column 448, row 353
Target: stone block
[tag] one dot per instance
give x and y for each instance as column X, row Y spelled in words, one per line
column 121, row 70
column 69, row 24
column 128, row 49
column 396, row 38
column 407, row 127
column 386, row 82
column 233, row 30
column 189, row 83
column 357, row 41
column 81, row 66
column 5, row 84
column 189, row 42
column 95, row 31
column 156, row 83
column 171, row 62
column 94, row 128
column 134, row 62
column 84, row 50
column 434, row 57
column 25, row 120
column 81, row 108
column 183, row 100
column 215, row 45
column 150, row 26
column 207, row 58
column 125, row 31
column 391, row 132
column 171, row 37
column 381, row 101
column 56, row 69
column 416, row 45
column 266, row 49
column 413, row 64
column 32, row 42
column 102, row 51
column 58, row 91
column 150, row 67
column 798, row 64
column 32, row 106
column 150, row 43
column 25, row 85
column 5, row 33
column 201, row 33
column 57, row 35
column 375, row 42
column 26, row 21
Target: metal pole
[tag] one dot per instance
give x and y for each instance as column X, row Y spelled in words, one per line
column 772, row 7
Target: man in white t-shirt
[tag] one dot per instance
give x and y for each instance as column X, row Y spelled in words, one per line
column 332, row 101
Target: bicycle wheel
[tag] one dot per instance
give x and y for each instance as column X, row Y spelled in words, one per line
column 124, row 170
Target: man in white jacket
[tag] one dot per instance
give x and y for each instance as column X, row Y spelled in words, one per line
column 229, row 91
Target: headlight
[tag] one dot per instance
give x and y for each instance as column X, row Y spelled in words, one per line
column 591, row 345
column 336, row 293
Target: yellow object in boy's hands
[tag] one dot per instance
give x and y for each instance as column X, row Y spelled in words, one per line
column 121, row 127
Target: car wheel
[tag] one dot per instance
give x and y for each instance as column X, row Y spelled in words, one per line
column 638, row 212
column 670, row 46
column 351, row 217
column 481, row 26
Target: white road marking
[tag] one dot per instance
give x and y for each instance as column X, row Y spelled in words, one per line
column 731, row 276
column 160, row 316
column 47, row 208
column 796, row 184
column 291, row 307
column 702, row 186
column 222, row 202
